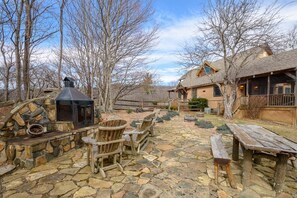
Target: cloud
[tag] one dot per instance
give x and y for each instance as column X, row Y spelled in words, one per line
column 175, row 32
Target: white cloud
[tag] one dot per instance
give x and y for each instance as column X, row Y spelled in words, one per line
column 176, row 32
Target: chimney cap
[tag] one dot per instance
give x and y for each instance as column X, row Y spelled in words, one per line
column 69, row 79
column 68, row 82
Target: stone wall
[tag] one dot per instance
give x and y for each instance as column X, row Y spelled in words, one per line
column 33, row 152
column 36, row 111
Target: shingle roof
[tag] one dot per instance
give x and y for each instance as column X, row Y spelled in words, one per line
column 278, row 62
column 282, row 61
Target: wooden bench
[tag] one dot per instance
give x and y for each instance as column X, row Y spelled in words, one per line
column 221, row 158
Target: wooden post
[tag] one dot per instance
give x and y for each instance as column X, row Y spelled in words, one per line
column 295, row 88
column 268, row 89
column 280, row 172
column 247, row 87
column 235, row 151
column 247, row 167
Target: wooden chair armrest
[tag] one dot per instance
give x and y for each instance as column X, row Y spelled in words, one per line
column 133, row 132
column 89, row 140
column 109, row 142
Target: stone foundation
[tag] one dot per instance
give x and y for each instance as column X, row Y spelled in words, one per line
column 31, row 152
column 36, row 111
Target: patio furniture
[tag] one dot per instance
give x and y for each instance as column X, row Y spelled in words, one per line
column 221, row 158
column 106, row 146
column 137, row 139
column 156, row 112
column 257, row 142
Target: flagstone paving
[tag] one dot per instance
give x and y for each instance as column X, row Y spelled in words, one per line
column 177, row 163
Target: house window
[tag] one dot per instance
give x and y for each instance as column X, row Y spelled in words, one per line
column 216, row 91
column 185, row 96
column 207, row 70
column 288, row 90
column 194, row 93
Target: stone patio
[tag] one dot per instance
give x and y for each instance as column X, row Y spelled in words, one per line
column 177, row 163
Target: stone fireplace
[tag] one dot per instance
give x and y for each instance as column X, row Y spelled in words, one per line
column 61, row 135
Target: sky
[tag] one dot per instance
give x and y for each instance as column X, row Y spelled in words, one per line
column 177, row 21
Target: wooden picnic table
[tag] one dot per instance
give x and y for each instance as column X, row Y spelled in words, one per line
column 257, row 142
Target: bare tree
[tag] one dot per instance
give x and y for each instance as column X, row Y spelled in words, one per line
column 81, row 53
column 61, row 25
column 14, row 12
column 291, row 38
column 122, row 36
column 228, row 30
column 105, row 46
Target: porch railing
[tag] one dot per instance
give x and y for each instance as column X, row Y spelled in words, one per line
column 270, row 100
column 281, row 100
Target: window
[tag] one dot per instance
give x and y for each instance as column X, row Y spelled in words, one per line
column 288, row 90
column 185, row 96
column 280, row 90
column 179, row 95
column 216, row 91
column 194, row 93
column 207, row 70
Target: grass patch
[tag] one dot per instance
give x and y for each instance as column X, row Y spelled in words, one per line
column 286, row 131
column 223, row 129
column 159, row 120
column 134, row 123
column 204, row 124
column 166, row 117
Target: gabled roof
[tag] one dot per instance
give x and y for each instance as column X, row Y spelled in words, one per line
column 206, row 63
column 72, row 94
column 256, row 66
column 277, row 62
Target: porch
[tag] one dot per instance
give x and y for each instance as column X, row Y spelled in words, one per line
column 271, row 90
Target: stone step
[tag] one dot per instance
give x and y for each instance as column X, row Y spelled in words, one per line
column 6, row 169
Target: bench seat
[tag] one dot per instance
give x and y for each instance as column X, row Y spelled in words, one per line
column 221, row 158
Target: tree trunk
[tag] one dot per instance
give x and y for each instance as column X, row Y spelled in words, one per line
column 229, row 99
column 7, row 76
column 28, row 34
column 61, row 43
column 18, row 52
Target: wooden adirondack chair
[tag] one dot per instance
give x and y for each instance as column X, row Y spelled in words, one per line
column 106, row 146
column 157, row 112
column 137, row 139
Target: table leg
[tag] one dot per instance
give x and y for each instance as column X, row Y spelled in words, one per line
column 235, row 152
column 280, row 172
column 216, row 172
column 230, row 176
column 88, row 153
column 247, row 167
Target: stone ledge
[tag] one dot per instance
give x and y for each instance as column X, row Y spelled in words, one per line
column 6, row 169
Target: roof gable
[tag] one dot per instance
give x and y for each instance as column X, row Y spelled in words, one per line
column 206, row 68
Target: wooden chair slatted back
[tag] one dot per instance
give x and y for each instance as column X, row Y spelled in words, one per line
column 109, row 131
column 145, row 125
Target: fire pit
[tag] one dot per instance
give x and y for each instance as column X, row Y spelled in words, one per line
column 35, row 130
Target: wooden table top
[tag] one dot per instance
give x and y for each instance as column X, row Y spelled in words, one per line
column 257, row 138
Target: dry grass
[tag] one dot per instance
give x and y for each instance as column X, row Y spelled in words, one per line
column 286, row 131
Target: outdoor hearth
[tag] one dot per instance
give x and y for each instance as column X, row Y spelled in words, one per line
column 38, row 130
column 72, row 105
